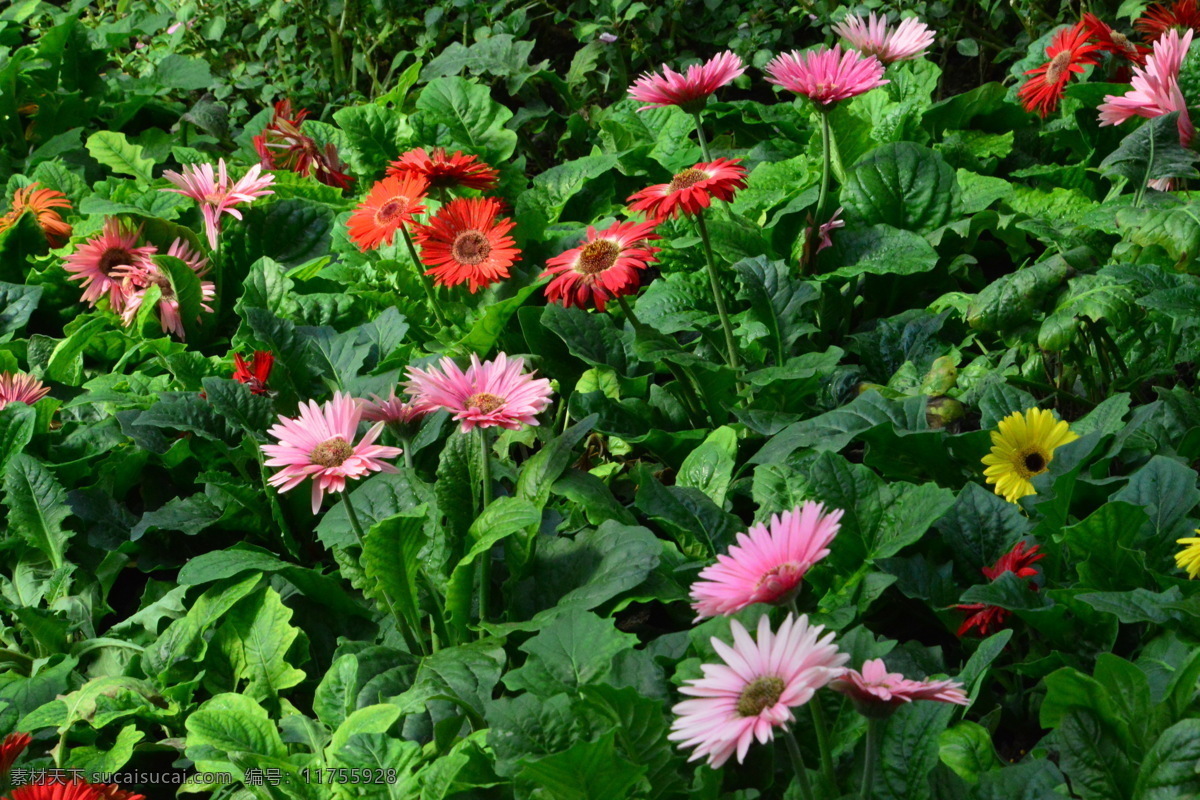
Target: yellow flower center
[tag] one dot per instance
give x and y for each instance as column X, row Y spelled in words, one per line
column 759, row 695
column 1058, row 65
column 687, row 179
column 598, row 256
column 1031, row 461
column 471, row 247
column 332, row 453
column 486, row 403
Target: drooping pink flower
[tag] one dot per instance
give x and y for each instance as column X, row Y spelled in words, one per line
column 692, row 190
column 489, row 394
column 827, row 228
column 1155, row 87
column 137, row 279
column 216, row 194
column 755, row 690
column 97, row 263
column 767, row 563
column 826, row 76
column 606, row 264
column 877, row 693
column 392, row 410
column 687, row 90
column 17, row 387
column 873, row 37
column 319, row 444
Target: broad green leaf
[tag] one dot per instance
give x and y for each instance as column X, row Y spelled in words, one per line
column 572, row 651
column 231, row 723
column 1012, row 299
column 390, row 560
column 114, row 151
column 66, row 360
column 880, row 250
column 1151, row 152
column 709, row 467
column 256, row 641
column 1169, row 770
column 1093, row 298
column 37, row 507
column 17, row 424
column 457, row 113
column 777, row 298
column 1175, row 228
column 538, row 474
column 981, row 527
column 903, row 185
column 17, row 303
column 588, row 770
column 967, row 749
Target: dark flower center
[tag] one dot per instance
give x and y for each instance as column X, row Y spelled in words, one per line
column 687, row 179
column 114, row 257
column 759, row 695
column 486, row 403
column 1035, row 462
column 471, row 247
column 390, row 212
column 598, row 256
column 1058, row 66
column 332, row 453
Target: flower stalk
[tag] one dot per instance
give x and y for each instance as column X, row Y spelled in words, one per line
column 426, row 284
column 718, row 298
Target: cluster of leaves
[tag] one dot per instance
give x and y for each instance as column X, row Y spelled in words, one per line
column 161, row 606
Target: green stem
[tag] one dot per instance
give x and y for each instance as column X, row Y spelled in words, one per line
column 826, row 168
column 868, row 779
column 700, row 133
column 822, row 729
column 627, row 310
column 732, row 355
column 798, row 764
column 405, row 444
column 485, row 561
column 355, row 525
column 426, row 284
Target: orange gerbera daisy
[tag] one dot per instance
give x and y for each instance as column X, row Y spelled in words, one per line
column 390, row 204
column 443, row 170
column 41, row 203
column 692, row 190
column 465, row 243
column 1069, row 52
column 1160, row 18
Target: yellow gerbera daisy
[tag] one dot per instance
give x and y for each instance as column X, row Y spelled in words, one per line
column 1023, row 446
column 1189, row 557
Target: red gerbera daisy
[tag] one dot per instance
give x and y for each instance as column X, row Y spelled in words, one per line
column 1160, row 18
column 41, row 203
column 254, row 373
column 465, row 243
column 13, row 745
column 75, row 790
column 1069, row 52
column 110, row 791
column 1111, row 41
column 989, row 618
column 390, row 204
column 607, row 264
column 692, row 190
column 443, row 170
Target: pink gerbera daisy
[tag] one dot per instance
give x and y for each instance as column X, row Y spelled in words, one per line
column 1155, row 87
column 756, row 688
column 489, row 394
column 767, row 564
column 216, row 194
column 872, row 37
column 826, row 228
column 17, row 387
column 97, row 263
column 826, row 76
column 689, row 90
column 142, row 277
column 877, row 693
column 392, row 410
column 692, row 190
column 319, row 444
column 607, row 264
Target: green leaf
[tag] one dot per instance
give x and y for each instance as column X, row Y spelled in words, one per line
column 699, row 526
column 903, row 185
column 1169, row 770
column 574, row 650
column 17, row 424
column 967, row 749
column 537, row 475
column 1011, row 300
column 376, row 135
column 709, row 467
column 1166, row 491
column 981, row 527
column 1152, row 152
column 1094, row 298
column 182, row 72
column 37, row 507
column 253, row 413
column 909, row 751
column 256, row 640
column 66, row 360
column 114, row 151
column 292, row 231
column 390, row 558
column 17, row 303
column 777, row 298
column 1175, row 228
column 1108, row 537
column 588, row 770
column 880, row 250
column 457, row 113
column 231, row 723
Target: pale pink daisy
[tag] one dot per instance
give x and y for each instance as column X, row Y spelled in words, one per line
column 756, row 688
column 827, row 228
column 687, row 90
column 873, row 37
column 767, row 564
column 98, row 262
column 138, row 279
column 826, row 76
column 319, row 444
column 1155, row 88
column 17, row 387
column 489, row 394
column 216, row 194
column 392, row 410
column 877, row 692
